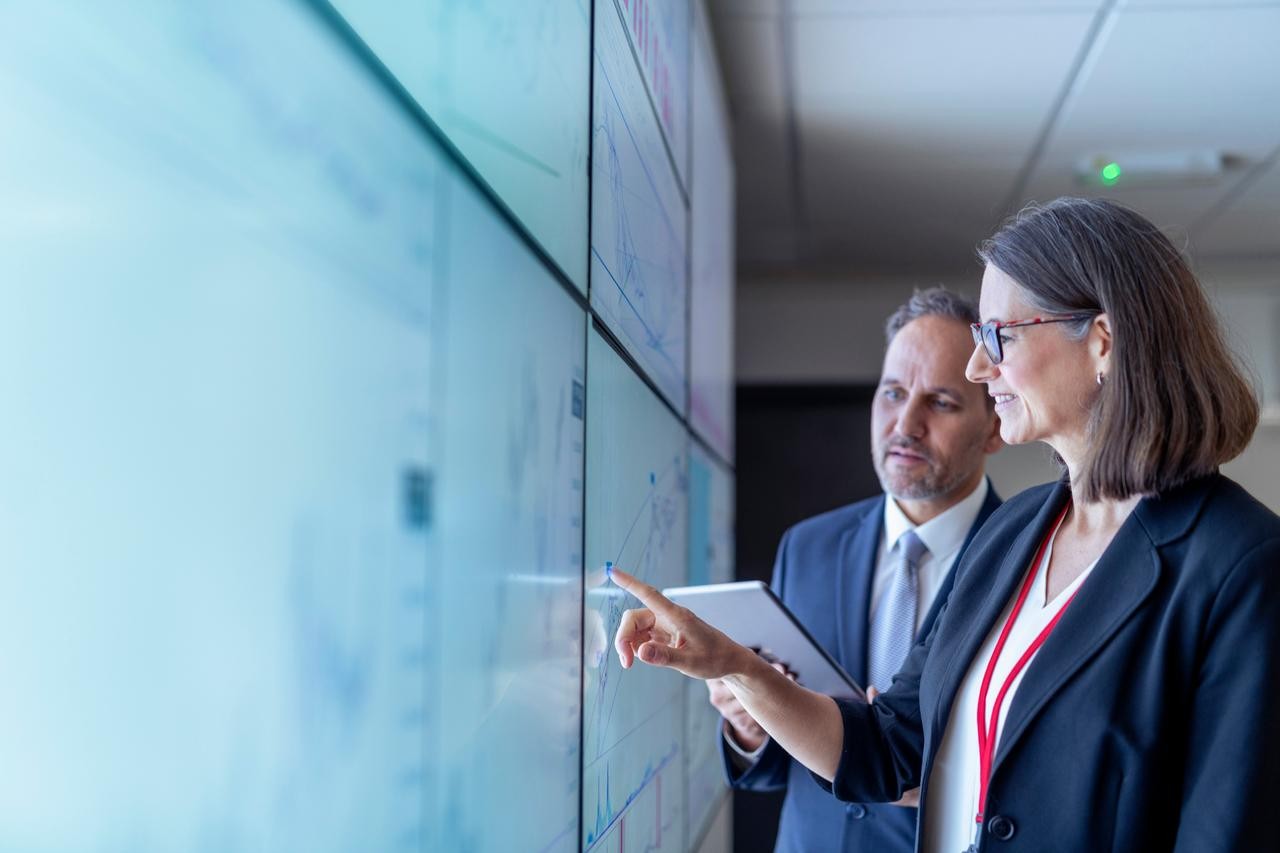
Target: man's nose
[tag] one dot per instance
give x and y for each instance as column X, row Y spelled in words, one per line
column 912, row 421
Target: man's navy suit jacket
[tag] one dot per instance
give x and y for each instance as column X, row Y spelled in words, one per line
column 823, row 573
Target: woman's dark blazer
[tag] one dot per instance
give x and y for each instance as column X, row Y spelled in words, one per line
column 1150, row 719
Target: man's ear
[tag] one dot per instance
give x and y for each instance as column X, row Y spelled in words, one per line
column 993, row 440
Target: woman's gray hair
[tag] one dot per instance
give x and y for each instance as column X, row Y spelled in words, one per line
column 1175, row 404
column 934, row 302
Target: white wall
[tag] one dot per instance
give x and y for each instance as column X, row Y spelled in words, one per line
column 1247, row 296
column 814, row 330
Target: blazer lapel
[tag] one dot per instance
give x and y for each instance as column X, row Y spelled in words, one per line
column 981, row 614
column 944, row 592
column 854, row 574
column 1125, row 575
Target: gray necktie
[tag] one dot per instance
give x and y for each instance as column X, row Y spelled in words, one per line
column 893, row 625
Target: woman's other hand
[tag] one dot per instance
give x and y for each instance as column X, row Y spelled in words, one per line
column 666, row 634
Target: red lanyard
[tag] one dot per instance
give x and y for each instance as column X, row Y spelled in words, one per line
column 987, row 731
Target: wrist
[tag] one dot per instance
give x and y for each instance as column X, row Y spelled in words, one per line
column 745, row 665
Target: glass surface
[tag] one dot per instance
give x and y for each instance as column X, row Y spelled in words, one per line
column 509, row 82
column 711, row 257
column 711, row 554
column 637, row 519
column 293, row 458
column 639, row 281
column 509, row 580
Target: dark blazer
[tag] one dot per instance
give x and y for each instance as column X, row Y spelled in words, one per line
column 823, row 572
column 1150, row 720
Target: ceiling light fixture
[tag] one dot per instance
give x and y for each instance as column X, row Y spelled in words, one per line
column 1172, row 168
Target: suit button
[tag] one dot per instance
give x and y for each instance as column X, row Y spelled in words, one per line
column 1001, row 827
column 857, row 810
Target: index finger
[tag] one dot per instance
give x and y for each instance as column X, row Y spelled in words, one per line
column 649, row 596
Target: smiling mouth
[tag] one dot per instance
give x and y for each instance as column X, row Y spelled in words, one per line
column 1003, row 400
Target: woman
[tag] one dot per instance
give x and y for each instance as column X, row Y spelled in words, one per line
column 1106, row 673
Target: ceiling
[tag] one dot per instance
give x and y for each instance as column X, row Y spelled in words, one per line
column 875, row 136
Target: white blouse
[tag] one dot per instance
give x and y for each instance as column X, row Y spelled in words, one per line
column 949, row 825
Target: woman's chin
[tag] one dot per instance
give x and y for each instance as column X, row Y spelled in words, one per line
column 1011, row 432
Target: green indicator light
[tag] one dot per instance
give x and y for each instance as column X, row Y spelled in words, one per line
column 1110, row 173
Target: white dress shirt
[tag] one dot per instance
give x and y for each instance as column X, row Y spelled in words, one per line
column 949, row 825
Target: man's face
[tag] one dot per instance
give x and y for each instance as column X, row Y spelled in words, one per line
column 930, row 427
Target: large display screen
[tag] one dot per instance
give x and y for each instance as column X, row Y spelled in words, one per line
column 316, row 447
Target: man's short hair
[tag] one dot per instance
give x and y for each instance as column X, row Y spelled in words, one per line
column 934, row 302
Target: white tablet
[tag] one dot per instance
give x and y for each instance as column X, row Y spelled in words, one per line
column 750, row 613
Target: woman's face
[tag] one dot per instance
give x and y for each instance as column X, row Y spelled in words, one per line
column 1045, row 386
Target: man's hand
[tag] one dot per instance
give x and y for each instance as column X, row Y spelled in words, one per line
column 911, row 799
column 742, row 727
column 745, row 731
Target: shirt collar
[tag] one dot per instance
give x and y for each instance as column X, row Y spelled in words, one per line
column 942, row 534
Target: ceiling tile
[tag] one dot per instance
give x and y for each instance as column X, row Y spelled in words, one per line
column 1207, row 5
column 979, row 83
column 939, row 7
column 913, row 131
column 1250, row 224
column 1142, row 95
column 1176, row 81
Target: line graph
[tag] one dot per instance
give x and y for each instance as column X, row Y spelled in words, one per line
column 639, row 282
column 637, row 511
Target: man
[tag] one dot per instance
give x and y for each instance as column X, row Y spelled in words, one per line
column 868, row 579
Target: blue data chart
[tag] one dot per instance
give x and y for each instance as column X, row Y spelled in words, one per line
column 660, row 34
column 639, row 281
column 637, row 505
column 711, row 560
column 711, row 252
column 220, row 347
column 509, row 82
column 509, row 579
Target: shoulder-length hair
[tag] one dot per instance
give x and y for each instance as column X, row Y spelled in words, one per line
column 1175, row 404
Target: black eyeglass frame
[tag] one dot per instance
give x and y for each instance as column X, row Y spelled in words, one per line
column 987, row 335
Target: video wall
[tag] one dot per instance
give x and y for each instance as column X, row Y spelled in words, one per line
column 344, row 345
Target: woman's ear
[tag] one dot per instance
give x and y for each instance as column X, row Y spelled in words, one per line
column 1101, row 345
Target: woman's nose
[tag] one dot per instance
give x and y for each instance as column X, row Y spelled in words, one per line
column 979, row 369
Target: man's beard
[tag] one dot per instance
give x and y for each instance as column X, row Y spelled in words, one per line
column 937, row 479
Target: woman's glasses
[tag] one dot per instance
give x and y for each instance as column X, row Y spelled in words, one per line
column 987, row 335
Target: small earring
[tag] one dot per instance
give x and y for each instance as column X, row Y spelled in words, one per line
column 1100, row 378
